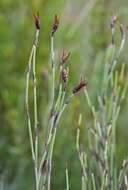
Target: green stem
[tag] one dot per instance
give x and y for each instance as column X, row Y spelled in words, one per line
column 27, row 105
column 45, row 149
column 35, row 109
column 53, row 71
column 67, row 179
column 32, row 55
column 62, row 100
column 60, row 90
column 54, row 135
column 35, row 120
column 93, row 182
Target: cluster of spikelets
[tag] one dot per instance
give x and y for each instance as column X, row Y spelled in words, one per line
column 99, row 172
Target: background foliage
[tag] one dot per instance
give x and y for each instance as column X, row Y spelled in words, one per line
column 84, row 30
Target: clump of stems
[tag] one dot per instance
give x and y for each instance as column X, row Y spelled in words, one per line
column 43, row 163
column 101, row 165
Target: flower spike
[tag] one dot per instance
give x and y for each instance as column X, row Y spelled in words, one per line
column 65, row 75
column 55, row 25
column 37, row 20
column 65, row 57
column 80, row 86
column 114, row 19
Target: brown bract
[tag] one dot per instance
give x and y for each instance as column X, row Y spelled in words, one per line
column 79, row 86
column 55, row 25
column 65, row 57
column 37, row 20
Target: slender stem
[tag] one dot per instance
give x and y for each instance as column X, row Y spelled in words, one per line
column 32, row 55
column 45, row 149
column 62, row 100
column 123, row 172
column 60, row 89
column 113, row 148
column 55, row 125
column 52, row 105
column 35, row 119
column 53, row 71
column 27, row 105
column 83, row 183
column 53, row 138
column 49, row 175
column 63, row 94
column 126, row 182
column 103, row 180
column 115, row 61
column 93, row 182
column 35, row 107
column 67, row 179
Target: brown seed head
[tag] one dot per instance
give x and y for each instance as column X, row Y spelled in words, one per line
column 65, row 75
column 55, row 25
column 65, row 57
column 79, row 86
column 37, row 20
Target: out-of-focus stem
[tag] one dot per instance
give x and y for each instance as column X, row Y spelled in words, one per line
column 126, row 182
column 116, row 59
column 89, row 102
column 93, row 182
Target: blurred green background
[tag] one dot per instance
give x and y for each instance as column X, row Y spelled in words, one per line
column 84, row 30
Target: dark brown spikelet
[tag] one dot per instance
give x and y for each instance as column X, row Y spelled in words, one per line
column 80, row 86
column 65, row 75
column 65, row 57
column 37, row 20
column 55, row 25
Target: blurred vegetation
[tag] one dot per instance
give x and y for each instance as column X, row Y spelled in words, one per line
column 84, row 30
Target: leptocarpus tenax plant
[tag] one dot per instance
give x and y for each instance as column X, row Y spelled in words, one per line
column 43, row 163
